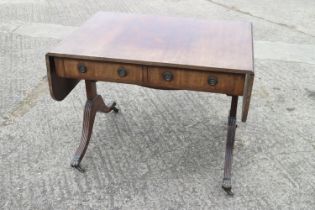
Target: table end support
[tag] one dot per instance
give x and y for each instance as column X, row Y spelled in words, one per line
column 227, row 184
column 94, row 104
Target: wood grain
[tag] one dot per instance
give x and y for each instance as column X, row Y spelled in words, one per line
column 163, row 41
column 183, row 79
column 228, row 83
column 99, row 71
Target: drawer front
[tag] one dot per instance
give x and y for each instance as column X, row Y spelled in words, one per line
column 229, row 83
column 94, row 70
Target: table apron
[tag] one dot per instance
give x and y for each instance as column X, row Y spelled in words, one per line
column 152, row 76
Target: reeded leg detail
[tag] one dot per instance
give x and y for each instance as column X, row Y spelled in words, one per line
column 88, row 121
column 227, row 185
column 94, row 104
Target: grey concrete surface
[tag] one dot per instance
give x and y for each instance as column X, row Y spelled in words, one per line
column 165, row 149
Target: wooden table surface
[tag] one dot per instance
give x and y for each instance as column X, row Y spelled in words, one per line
column 164, row 41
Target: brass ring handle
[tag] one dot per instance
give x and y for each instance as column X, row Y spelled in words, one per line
column 212, row 80
column 168, row 76
column 122, row 72
column 82, row 68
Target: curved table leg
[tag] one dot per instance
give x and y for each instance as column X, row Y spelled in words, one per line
column 88, row 121
column 92, row 106
column 104, row 108
column 227, row 185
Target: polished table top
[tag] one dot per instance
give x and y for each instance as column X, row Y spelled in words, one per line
column 163, row 41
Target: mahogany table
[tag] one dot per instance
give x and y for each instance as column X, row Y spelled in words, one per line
column 159, row 52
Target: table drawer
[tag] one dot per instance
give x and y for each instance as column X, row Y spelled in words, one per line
column 229, row 83
column 95, row 70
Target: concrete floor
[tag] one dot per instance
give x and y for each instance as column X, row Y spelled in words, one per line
column 165, row 149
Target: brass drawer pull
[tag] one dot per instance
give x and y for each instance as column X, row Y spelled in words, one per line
column 82, row 68
column 122, row 72
column 212, row 80
column 168, row 76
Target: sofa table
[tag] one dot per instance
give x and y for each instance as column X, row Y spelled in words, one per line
column 167, row 53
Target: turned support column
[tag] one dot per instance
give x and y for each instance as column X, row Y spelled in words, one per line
column 94, row 103
column 227, row 185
